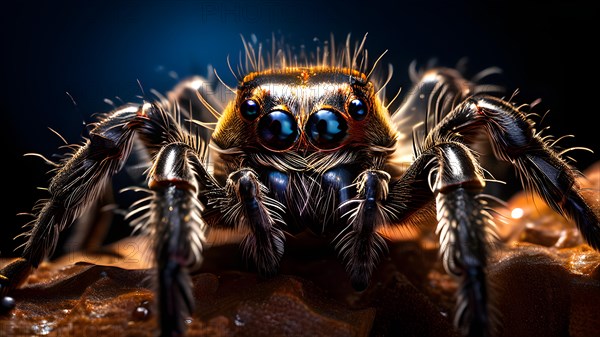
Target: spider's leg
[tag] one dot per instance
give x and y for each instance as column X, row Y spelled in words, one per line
column 463, row 232
column 434, row 93
column 244, row 204
column 448, row 173
column 79, row 180
column 514, row 139
column 177, row 232
column 82, row 176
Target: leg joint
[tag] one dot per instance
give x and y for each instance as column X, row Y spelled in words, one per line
column 457, row 168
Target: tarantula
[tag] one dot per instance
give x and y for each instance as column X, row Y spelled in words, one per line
column 308, row 144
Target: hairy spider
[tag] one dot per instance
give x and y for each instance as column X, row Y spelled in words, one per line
column 309, row 145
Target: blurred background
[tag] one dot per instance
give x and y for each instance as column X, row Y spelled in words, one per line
column 60, row 61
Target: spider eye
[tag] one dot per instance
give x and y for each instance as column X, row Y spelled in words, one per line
column 249, row 109
column 326, row 129
column 357, row 109
column 278, row 130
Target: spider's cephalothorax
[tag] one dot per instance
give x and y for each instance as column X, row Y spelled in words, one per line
column 307, row 134
column 309, row 146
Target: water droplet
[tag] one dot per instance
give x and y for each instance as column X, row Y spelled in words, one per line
column 188, row 321
column 7, row 303
column 140, row 313
column 238, row 321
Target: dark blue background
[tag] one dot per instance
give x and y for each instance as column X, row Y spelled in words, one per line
column 100, row 49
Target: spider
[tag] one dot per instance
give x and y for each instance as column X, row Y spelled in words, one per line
column 309, row 145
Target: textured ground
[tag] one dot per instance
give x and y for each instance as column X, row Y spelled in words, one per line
column 547, row 283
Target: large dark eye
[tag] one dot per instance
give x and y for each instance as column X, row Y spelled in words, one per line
column 249, row 109
column 326, row 129
column 278, row 130
column 357, row 109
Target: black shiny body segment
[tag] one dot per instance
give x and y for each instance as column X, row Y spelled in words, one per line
column 312, row 201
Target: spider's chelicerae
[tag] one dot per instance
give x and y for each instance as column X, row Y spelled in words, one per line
column 308, row 144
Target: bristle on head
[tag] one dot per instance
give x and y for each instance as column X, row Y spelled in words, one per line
column 350, row 58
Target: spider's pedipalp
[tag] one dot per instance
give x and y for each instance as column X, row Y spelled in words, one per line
column 247, row 205
column 360, row 245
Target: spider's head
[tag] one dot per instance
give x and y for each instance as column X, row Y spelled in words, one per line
column 304, row 110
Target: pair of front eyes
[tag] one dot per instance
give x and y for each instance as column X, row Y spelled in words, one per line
column 326, row 128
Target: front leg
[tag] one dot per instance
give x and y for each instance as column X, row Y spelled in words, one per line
column 464, row 230
column 82, row 176
column 177, row 232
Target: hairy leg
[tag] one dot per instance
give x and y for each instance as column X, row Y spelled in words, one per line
column 514, row 139
column 81, row 177
column 177, row 231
